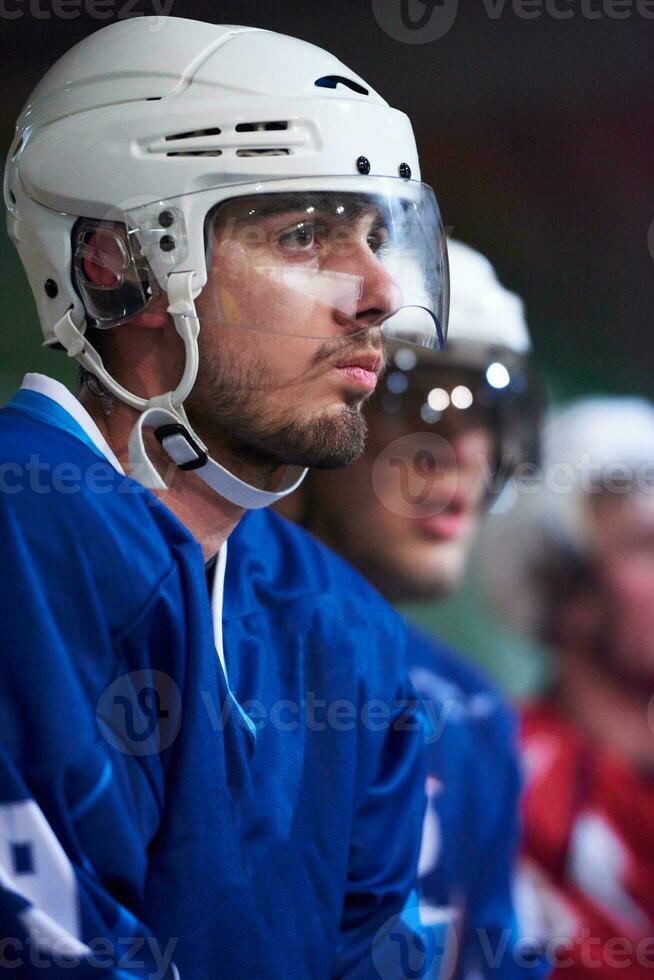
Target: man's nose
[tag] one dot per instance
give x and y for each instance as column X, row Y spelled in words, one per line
column 380, row 294
column 474, row 455
column 463, row 441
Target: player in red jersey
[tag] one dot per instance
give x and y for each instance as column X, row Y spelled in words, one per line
column 578, row 569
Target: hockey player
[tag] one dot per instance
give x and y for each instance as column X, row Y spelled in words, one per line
column 581, row 546
column 445, row 433
column 220, row 224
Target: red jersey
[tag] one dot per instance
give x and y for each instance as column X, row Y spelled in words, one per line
column 589, row 842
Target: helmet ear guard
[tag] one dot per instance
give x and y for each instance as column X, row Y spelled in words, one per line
column 110, row 273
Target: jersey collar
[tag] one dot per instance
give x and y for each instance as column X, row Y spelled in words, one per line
column 53, row 390
column 59, row 394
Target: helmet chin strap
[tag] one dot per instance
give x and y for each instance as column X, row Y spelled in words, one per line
column 165, row 413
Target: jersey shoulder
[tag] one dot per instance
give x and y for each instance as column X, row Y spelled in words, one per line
column 72, row 522
column 465, row 708
column 554, row 751
column 443, row 672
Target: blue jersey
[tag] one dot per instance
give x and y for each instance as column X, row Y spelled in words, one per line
column 471, row 832
column 158, row 813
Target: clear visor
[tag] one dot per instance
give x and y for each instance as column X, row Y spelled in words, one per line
column 321, row 264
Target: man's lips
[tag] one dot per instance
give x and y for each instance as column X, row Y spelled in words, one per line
column 362, row 369
column 452, row 522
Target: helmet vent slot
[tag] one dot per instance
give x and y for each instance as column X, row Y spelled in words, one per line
column 194, row 134
column 331, row 81
column 263, row 152
column 261, row 127
column 194, row 153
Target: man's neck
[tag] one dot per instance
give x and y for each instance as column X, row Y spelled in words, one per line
column 209, row 517
column 604, row 710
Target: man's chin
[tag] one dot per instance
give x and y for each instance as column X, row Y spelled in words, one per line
column 433, row 588
column 435, row 581
column 326, row 442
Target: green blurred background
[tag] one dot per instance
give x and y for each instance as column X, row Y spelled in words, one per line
column 537, row 136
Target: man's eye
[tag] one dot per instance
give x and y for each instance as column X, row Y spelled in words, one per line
column 298, row 239
column 377, row 240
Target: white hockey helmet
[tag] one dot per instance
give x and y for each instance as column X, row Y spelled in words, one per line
column 147, row 131
column 483, row 313
column 488, row 340
column 594, row 444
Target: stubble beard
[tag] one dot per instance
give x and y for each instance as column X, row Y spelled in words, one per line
column 230, row 410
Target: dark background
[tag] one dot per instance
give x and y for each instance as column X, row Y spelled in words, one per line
column 537, row 135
